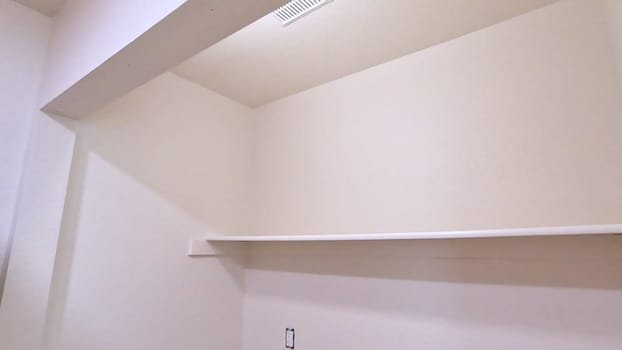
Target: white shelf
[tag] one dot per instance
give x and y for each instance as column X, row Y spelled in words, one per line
column 509, row 232
column 209, row 245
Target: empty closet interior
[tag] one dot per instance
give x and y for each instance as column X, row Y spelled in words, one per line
column 371, row 174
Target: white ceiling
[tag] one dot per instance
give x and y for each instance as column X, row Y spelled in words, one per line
column 265, row 61
column 47, row 7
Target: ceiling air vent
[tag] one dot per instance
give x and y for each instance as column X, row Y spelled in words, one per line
column 294, row 10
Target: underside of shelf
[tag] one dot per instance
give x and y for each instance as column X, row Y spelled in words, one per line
column 204, row 246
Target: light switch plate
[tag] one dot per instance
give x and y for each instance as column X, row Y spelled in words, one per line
column 290, row 338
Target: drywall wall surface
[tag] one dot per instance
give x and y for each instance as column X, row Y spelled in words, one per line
column 37, row 226
column 510, row 293
column 87, row 33
column 164, row 164
column 514, row 125
column 614, row 9
column 156, row 35
column 511, row 126
column 35, row 153
column 23, row 41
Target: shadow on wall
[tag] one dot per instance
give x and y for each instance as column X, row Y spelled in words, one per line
column 573, row 261
column 168, row 162
column 183, row 142
column 120, row 255
column 493, row 293
column 157, row 167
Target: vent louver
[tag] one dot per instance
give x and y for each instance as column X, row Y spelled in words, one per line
column 294, row 10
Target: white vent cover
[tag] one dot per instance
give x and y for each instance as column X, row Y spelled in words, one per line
column 295, row 9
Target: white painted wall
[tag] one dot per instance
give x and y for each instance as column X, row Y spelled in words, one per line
column 101, row 50
column 614, row 9
column 37, row 227
column 512, row 126
column 35, row 153
column 87, row 33
column 515, row 125
column 400, row 147
column 164, row 164
column 472, row 294
column 23, row 39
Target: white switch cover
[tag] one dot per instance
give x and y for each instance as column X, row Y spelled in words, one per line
column 290, row 336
